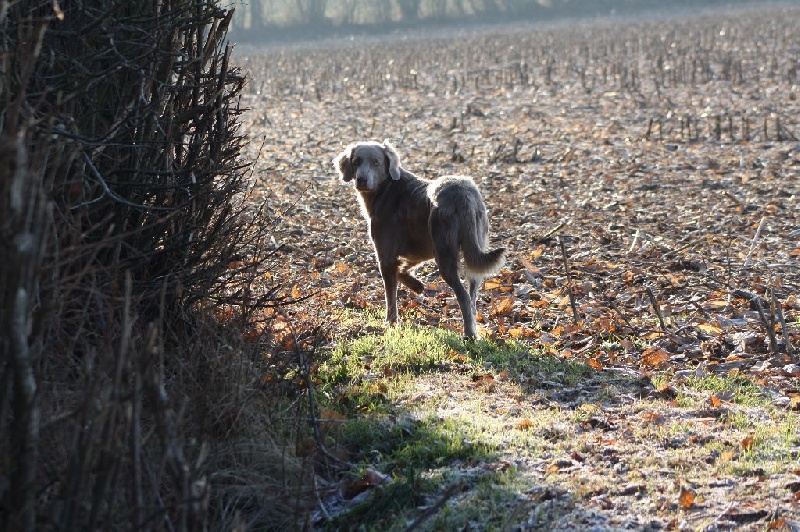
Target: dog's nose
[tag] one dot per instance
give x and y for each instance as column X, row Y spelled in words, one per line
column 361, row 181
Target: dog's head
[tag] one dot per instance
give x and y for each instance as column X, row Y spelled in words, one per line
column 370, row 163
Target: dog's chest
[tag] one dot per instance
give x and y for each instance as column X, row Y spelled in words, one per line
column 406, row 234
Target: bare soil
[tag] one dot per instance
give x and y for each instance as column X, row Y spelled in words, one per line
column 660, row 160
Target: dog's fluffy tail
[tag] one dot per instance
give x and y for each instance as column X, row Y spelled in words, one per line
column 483, row 262
column 474, row 242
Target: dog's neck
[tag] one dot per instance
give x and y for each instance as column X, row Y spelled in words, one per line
column 367, row 198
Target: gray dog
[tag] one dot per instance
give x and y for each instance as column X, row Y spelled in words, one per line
column 412, row 220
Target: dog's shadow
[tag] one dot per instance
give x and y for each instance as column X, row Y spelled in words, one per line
column 547, row 378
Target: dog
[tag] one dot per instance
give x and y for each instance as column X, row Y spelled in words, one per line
column 412, row 220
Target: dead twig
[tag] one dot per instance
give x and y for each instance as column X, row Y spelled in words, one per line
column 569, row 281
column 636, row 238
column 767, row 323
column 545, row 237
column 305, row 367
column 756, row 237
column 447, row 495
column 656, row 308
column 778, row 311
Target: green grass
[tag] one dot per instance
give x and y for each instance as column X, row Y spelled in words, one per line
column 746, row 413
column 373, row 379
column 418, row 408
column 741, row 390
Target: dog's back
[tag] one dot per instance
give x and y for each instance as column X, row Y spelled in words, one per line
column 456, row 201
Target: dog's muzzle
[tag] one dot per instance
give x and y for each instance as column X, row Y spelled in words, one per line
column 362, row 183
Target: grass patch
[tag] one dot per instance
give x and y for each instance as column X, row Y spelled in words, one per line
column 749, row 436
column 736, row 389
column 441, row 415
column 404, row 350
column 392, row 385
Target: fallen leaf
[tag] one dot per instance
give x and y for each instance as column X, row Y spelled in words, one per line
column 747, row 443
column 709, row 328
column 686, row 498
column 777, row 524
column 503, row 307
column 653, row 417
column 525, row 424
column 485, row 382
column 536, row 253
column 328, row 418
column 727, row 455
column 492, row 284
column 654, row 357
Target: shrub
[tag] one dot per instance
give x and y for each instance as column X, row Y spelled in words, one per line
column 123, row 217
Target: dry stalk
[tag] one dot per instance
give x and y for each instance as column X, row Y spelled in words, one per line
column 767, row 323
column 778, row 311
column 438, row 505
column 753, row 244
column 568, row 273
column 304, row 362
column 545, row 237
column 656, row 308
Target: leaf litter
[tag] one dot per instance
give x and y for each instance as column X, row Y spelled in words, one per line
column 645, row 176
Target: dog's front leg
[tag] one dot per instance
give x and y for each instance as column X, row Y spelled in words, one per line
column 388, row 269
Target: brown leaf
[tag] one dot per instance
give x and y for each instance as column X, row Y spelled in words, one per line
column 727, row 455
column 654, row 357
column 747, row 443
column 328, row 418
column 715, row 401
column 777, row 524
column 492, row 284
column 503, row 307
column 525, row 424
column 536, row 253
column 653, row 417
column 594, row 363
column 485, row 382
column 686, row 498
column 305, row 447
column 710, row 328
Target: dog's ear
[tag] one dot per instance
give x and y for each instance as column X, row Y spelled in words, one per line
column 395, row 170
column 343, row 164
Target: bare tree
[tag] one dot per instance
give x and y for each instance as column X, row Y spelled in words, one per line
column 256, row 15
column 312, row 11
column 409, row 9
column 437, row 8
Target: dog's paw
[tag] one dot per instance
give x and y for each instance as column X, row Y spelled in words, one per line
column 471, row 336
column 412, row 283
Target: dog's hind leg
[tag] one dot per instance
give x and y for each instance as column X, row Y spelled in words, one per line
column 405, row 277
column 448, row 267
column 447, row 260
column 474, row 283
column 411, row 282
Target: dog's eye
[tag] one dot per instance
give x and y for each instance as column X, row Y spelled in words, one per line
column 376, row 162
column 357, row 161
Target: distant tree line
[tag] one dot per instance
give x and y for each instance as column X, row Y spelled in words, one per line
column 258, row 15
